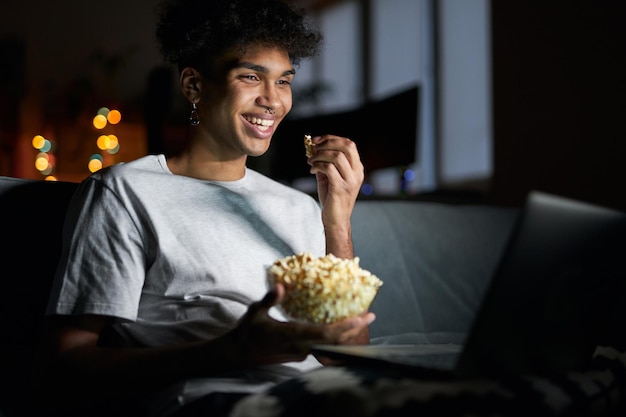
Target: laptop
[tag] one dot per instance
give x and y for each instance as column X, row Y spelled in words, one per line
column 560, row 276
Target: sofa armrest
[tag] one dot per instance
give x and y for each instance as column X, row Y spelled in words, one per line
column 32, row 213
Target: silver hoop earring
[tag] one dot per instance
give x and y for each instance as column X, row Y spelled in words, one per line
column 194, row 117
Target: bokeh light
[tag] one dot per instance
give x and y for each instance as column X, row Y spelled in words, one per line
column 38, row 141
column 99, row 121
column 113, row 144
column 45, row 161
column 95, row 163
column 109, row 143
column 41, row 161
column 47, row 146
column 103, row 142
column 114, row 150
column 106, row 143
column 114, row 117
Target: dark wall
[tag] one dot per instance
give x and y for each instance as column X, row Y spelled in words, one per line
column 559, row 99
column 384, row 131
column 12, row 88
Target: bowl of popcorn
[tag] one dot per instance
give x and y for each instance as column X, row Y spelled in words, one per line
column 325, row 289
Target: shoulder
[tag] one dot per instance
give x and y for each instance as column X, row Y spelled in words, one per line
column 121, row 182
column 146, row 165
column 143, row 170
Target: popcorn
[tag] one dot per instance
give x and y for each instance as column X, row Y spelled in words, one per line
column 325, row 289
column 309, row 146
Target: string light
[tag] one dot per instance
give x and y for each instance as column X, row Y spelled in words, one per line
column 108, row 143
column 45, row 161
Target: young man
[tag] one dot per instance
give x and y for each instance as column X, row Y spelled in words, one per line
column 162, row 285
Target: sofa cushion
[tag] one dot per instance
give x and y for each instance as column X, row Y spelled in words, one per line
column 435, row 259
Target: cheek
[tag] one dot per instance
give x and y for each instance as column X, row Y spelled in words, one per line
column 288, row 102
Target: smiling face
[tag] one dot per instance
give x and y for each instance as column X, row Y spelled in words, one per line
column 233, row 107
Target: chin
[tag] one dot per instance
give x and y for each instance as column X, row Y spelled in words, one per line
column 254, row 153
column 258, row 151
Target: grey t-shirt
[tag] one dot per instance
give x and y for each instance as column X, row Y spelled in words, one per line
column 176, row 258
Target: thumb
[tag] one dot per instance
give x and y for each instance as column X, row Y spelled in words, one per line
column 261, row 307
column 273, row 297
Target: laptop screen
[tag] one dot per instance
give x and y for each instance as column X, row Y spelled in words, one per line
column 557, row 282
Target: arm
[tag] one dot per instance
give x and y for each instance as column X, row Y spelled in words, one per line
column 340, row 173
column 74, row 368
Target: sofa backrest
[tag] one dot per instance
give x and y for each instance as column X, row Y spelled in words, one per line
column 435, row 261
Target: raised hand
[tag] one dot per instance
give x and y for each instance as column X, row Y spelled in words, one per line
column 340, row 173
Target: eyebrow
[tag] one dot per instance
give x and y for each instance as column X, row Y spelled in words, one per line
column 261, row 68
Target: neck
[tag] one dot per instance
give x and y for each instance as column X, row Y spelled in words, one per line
column 191, row 164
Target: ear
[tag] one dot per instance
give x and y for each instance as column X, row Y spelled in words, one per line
column 191, row 84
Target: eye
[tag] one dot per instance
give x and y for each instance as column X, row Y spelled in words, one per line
column 283, row 82
column 249, row 77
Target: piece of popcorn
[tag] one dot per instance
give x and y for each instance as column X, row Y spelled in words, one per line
column 309, row 146
column 325, row 289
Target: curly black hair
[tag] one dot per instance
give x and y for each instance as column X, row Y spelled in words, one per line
column 196, row 32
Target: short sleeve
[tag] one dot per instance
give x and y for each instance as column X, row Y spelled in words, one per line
column 102, row 267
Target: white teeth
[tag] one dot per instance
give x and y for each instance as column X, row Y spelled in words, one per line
column 260, row 122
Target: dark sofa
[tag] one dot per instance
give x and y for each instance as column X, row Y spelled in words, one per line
column 435, row 260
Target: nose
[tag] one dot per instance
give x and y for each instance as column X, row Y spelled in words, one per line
column 269, row 97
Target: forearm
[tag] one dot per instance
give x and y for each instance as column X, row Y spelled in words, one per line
column 93, row 374
column 339, row 241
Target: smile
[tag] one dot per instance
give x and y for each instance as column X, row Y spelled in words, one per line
column 263, row 124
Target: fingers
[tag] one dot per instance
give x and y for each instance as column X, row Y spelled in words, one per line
column 352, row 330
column 341, row 332
column 336, row 156
column 340, row 144
column 275, row 341
column 364, row 319
column 347, row 331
